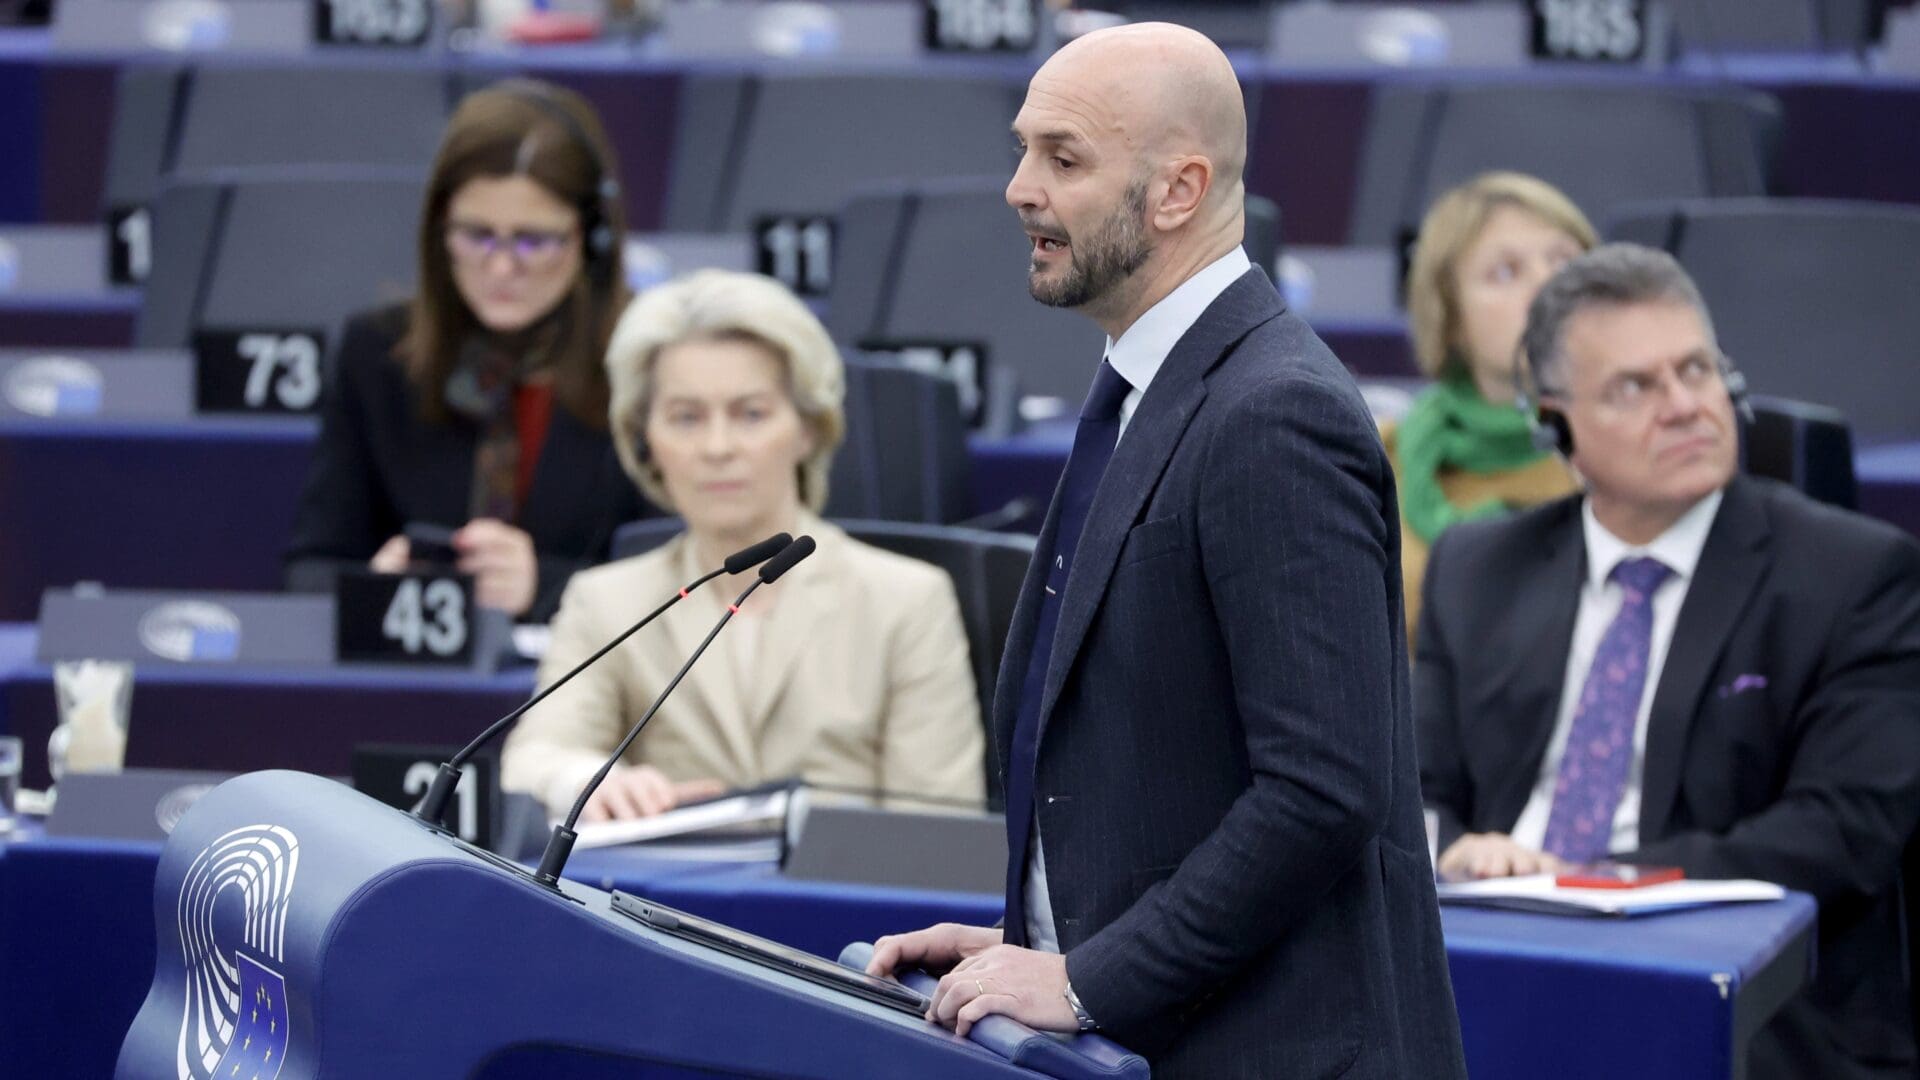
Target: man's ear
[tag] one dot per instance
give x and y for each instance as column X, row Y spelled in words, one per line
column 1189, row 179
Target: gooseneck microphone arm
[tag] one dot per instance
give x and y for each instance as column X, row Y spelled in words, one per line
column 434, row 804
column 560, row 845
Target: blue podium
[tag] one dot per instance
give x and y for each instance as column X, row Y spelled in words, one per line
column 306, row 930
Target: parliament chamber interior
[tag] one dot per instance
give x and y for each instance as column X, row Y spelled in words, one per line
column 368, row 367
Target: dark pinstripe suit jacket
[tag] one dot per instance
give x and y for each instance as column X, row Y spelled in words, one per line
column 1226, row 785
column 1780, row 744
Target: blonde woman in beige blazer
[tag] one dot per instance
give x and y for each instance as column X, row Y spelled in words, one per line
column 852, row 670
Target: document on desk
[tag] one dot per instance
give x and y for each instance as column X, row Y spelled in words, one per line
column 754, row 814
column 1539, row 893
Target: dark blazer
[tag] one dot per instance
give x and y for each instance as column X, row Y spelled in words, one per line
column 1225, row 786
column 379, row 467
column 1784, row 741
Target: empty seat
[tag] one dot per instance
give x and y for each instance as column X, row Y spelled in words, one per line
column 798, row 144
column 1752, row 26
column 1815, row 300
column 1808, row 446
column 285, row 255
column 905, row 453
column 187, row 121
column 1603, row 144
column 945, row 262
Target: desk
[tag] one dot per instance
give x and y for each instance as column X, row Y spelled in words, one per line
column 206, row 504
column 1665, row 996
column 242, row 719
column 214, row 498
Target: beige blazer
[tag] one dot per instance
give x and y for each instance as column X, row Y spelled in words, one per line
column 859, row 676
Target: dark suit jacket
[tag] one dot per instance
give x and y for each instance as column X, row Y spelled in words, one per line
column 1784, row 741
column 379, row 467
column 1226, row 788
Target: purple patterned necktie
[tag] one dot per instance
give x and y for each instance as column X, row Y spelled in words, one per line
column 1593, row 769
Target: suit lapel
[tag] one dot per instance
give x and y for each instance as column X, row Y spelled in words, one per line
column 1018, row 652
column 1516, row 736
column 710, row 684
column 810, row 594
column 1731, row 566
column 1140, row 458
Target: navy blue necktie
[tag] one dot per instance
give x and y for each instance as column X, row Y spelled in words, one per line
column 1093, row 445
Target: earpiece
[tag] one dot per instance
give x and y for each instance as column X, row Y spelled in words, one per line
column 1549, row 427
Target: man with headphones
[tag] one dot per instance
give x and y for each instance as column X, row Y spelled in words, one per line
column 1681, row 666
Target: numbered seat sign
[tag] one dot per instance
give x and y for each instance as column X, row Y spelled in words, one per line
column 404, row 618
column 257, row 371
column 1593, row 31
column 981, row 25
column 404, row 24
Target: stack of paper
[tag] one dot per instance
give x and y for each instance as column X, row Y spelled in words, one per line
column 759, row 814
column 1538, row 892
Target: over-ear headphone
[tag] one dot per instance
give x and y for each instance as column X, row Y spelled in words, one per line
column 595, row 230
column 1549, row 427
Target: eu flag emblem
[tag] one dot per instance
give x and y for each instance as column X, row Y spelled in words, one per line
column 215, row 643
column 259, row 1043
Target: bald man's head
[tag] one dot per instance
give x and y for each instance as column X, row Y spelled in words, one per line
column 1135, row 141
column 1170, row 89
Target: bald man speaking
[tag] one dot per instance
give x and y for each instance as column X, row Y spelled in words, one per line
column 1217, row 852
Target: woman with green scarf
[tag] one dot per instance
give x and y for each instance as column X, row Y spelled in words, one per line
column 1463, row 451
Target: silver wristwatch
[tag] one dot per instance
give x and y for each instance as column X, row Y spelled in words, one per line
column 1080, row 1014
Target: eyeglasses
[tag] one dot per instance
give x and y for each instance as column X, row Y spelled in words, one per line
column 529, row 249
column 1637, row 391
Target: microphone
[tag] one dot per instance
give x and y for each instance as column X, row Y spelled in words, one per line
column 434, row 804
column 560, row 845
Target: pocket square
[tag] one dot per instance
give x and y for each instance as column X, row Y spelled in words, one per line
column 1743, row 683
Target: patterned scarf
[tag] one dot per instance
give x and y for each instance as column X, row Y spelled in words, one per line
column 1452, row 426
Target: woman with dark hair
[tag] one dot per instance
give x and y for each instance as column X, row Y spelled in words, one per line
column 480, row 406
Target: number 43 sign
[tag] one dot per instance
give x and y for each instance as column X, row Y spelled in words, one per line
column 404, row 618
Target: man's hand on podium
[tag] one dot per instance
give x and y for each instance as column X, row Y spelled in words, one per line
column 983, row 976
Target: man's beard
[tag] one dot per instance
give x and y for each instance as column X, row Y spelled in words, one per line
column 1103, row 260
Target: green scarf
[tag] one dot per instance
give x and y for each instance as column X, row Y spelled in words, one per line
column 1452, row 426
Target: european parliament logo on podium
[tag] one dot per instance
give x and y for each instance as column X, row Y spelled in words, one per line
column 234, row 1024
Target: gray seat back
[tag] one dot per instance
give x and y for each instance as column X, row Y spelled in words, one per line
column 1751, row 26
column 800, row 143
column 279, row 253
column 184, row 121
column 1601, row 144
column 1815, row 300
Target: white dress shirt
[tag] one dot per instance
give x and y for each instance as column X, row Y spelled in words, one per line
column 1137, row 356
column 1679, row 548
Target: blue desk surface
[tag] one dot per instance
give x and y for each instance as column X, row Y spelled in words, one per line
column 1653, row 997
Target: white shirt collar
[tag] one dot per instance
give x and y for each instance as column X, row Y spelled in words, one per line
column 1679, row 547
column 1138, row 354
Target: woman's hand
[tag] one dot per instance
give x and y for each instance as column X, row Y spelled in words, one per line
column 636, row 791
column 392, row 558
column 501, row 560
